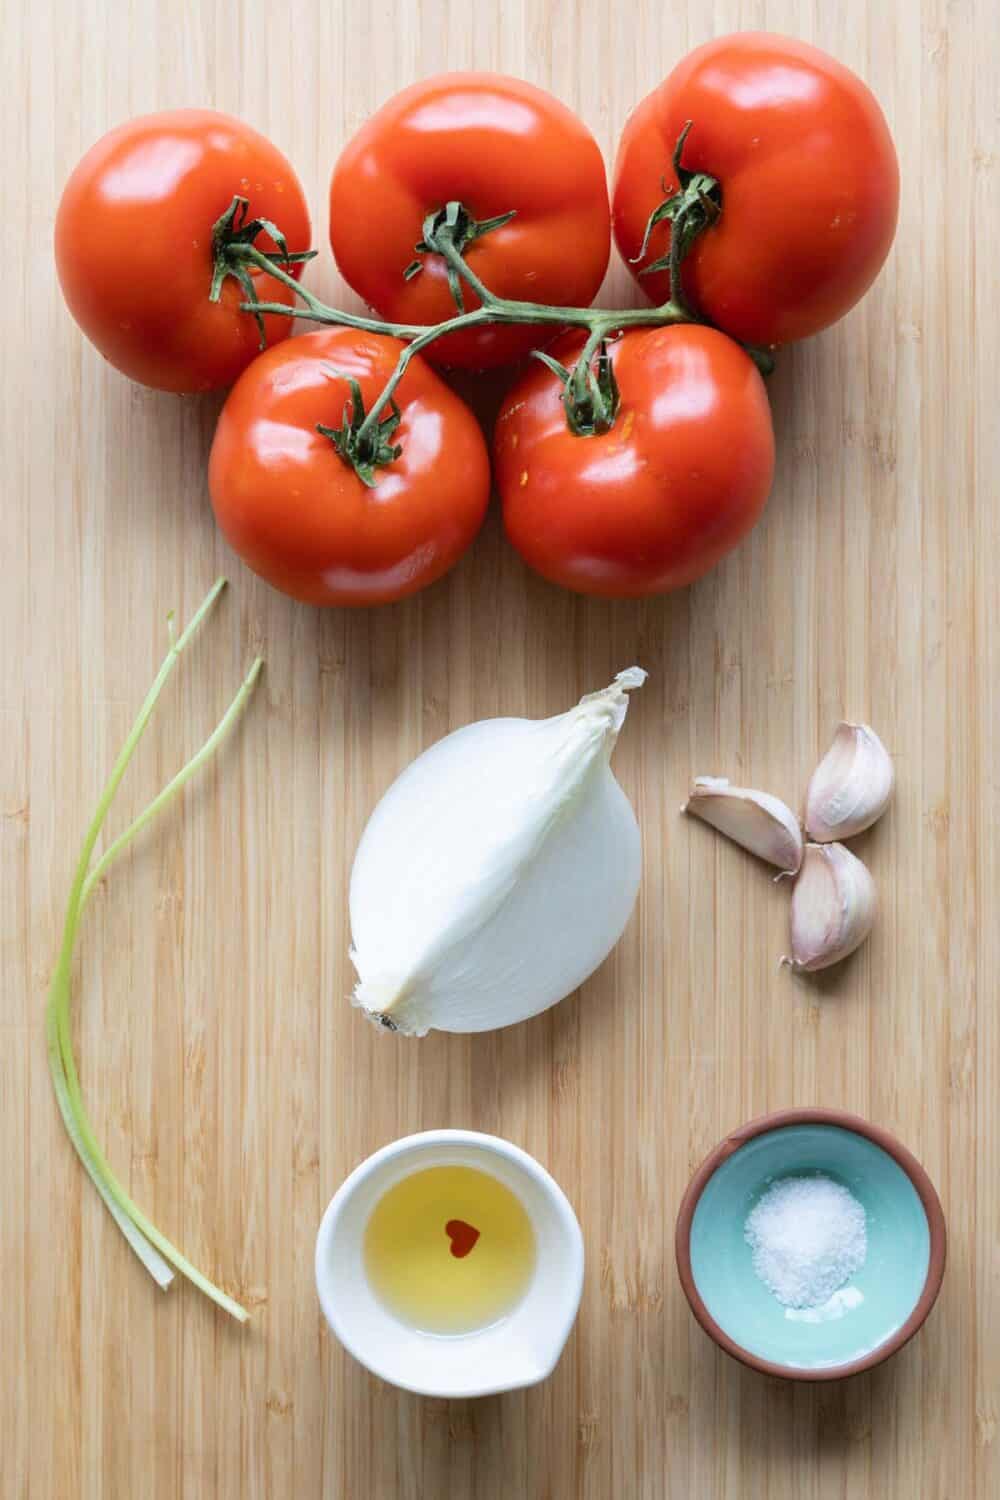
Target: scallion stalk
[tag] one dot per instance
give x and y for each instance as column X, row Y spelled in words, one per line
column 155, row 1251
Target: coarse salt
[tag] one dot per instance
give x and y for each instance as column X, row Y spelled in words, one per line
column 808, row 1236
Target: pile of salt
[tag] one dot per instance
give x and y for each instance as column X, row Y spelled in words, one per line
column 808, row 1237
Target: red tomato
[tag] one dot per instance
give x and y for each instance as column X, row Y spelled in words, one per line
column 655, row 502
column 494, row 144
column 134, row 246
column 807, row 175
column 298, row 513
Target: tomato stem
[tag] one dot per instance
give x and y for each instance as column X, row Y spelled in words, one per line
column 500, row 310
column 590, row 395
column 314, row 309
column 693, row 206
column 456, row 226
column 231, row 233
column 362, row 445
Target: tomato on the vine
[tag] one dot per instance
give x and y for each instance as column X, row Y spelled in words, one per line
column 496, row 146
column 330, row 517
column 655, row 501
column 136, row 252
column 794, row 150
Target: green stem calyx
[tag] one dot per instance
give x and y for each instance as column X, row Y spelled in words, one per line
column 364, row 445
column 692, row 208
column 230, row 233
column 590, row 391
column 454, row 226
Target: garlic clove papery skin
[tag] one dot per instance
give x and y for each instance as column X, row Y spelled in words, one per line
column 754, row 820
column 833, row 907
column 851, row 787
column 497, row 872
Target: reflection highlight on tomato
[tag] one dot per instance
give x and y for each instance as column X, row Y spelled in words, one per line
column 298, row 511
column 653, row 503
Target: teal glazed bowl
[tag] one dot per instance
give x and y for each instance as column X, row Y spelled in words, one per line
column 883, row 1304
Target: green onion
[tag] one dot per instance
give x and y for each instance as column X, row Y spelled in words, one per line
column 153, row 1248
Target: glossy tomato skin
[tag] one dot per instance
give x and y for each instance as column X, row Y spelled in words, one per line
column 494, row 144
column 808, row 176
column 133, row 245
column 298, row 514
column 656, row 502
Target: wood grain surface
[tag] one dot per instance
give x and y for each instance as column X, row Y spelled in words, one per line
column 231, row 1081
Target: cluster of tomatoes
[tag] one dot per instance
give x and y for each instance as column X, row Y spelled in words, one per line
column 783, row 200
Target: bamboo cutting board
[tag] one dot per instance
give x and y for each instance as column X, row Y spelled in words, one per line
column 231, row 1082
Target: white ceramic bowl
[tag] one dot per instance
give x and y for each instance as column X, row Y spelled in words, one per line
column 523, row 1347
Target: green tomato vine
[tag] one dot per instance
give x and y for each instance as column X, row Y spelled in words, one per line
column 590, row 395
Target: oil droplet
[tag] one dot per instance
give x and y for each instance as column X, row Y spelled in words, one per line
column 628, row 424
column 513, row 440
column 463, row 1237
column 524, row 478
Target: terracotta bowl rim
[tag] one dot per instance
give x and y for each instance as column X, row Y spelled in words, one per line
column 762, row 1125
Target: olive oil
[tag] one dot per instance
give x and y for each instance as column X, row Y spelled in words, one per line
column 449, row 1250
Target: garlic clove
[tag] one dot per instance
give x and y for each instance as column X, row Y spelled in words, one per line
column 754, row 820
column 851, row 787
column 833, row 907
